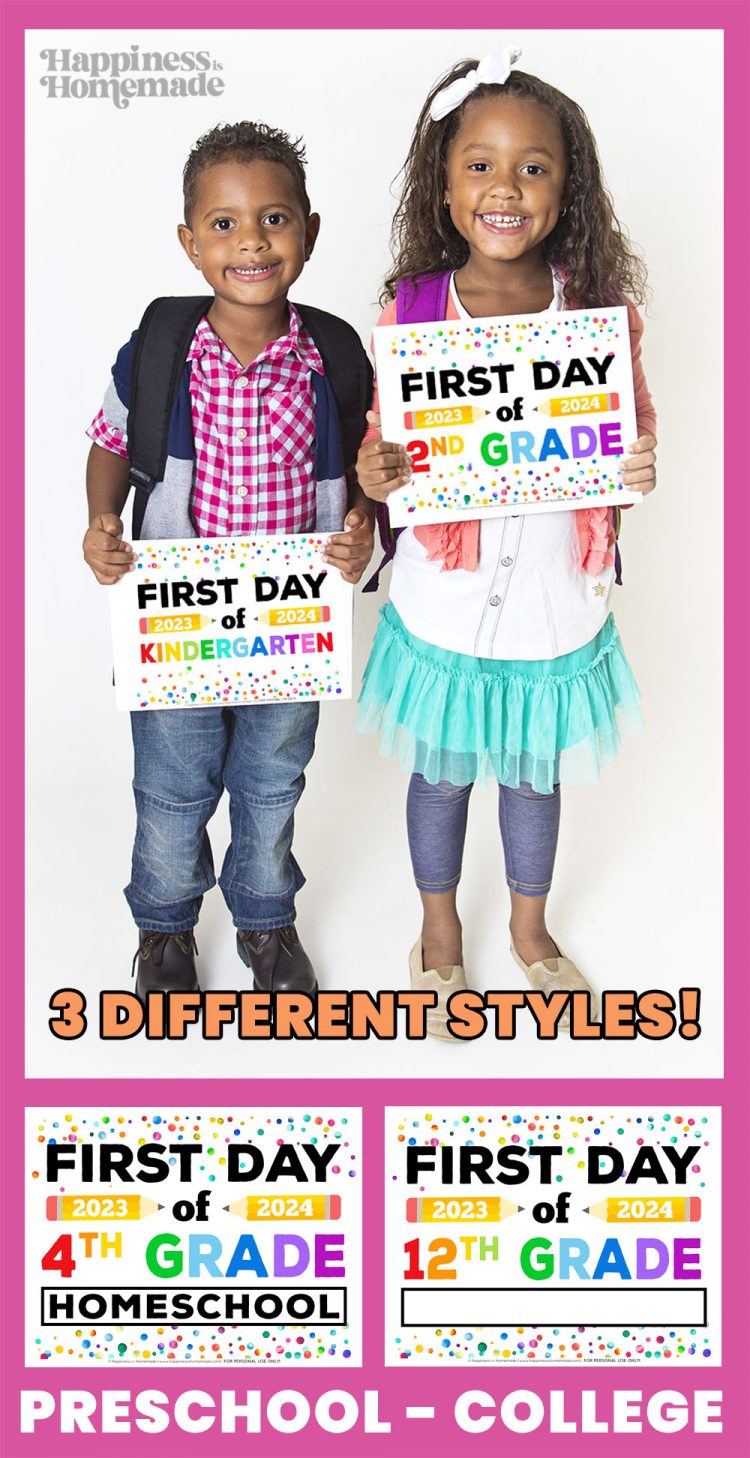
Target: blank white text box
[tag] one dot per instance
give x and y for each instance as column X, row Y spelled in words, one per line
column 554, row 1306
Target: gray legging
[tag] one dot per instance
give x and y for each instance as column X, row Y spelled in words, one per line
column 436, row 822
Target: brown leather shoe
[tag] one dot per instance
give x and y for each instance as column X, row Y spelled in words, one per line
column 278, row 960
column 165, row 963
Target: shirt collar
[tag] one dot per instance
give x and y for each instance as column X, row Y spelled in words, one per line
column 296, row 341
column 558, row 295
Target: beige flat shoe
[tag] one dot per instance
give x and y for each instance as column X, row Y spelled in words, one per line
column 556, row 974
column 442, row 980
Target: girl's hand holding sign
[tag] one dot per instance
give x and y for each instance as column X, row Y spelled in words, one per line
column 382, row 465
column 638, row 470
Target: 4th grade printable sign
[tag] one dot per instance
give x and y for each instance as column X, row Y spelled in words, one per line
column 215, row 1235
column 503, row 416
column 208, row 622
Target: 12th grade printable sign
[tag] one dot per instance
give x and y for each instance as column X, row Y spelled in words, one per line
column 217, row 621
column 503, row 416
column 553, row 1236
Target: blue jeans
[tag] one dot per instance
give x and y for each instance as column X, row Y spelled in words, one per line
column 184, row 760
column 436, row 822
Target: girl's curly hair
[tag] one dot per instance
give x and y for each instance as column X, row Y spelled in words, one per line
column 587, row 245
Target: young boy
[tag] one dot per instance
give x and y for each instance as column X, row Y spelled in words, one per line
column 254, row 376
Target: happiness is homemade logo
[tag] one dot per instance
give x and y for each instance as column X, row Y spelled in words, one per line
column 124, row 76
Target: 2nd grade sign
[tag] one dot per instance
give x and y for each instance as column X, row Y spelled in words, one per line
column 502, row 416
column 212, row 622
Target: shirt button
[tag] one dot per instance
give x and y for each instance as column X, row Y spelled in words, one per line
column 240, row 434
column 241, row 491
column 242, row 382
column 506, row 561
column 495, row 601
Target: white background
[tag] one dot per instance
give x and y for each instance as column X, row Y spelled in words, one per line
column 637, row 894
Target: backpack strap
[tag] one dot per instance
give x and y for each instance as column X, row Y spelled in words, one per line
column 616, row 522
column 419, row 300
column 424, row 299
column 164, row 337
column 348, row 370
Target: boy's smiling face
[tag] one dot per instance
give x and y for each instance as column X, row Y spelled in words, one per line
column 248, row 233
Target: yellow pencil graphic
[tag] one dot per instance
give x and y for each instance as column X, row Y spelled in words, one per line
column 289, row 616
column 100, row 1207
column 578, row 404
column 175, row 623
column 448, row 415
column 491, row 1207
column 676, row 1208
column 287, row 1207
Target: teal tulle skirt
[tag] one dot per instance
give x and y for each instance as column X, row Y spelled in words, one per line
column 453, row 717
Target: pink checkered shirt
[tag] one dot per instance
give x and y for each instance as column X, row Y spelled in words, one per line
column 254, row 433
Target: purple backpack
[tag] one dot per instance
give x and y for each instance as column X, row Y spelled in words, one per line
column 418, row 301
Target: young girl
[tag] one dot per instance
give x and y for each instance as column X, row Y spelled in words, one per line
column 497, row 653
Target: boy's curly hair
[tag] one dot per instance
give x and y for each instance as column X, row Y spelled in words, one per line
column 244, row 142
column 587, row 245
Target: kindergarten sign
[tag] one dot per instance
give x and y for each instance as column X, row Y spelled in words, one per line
column 212, row 1236
column 503, row 416
column 231, row 620
column 553, row 1236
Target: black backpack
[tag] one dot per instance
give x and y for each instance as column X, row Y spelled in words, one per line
column 164, row 337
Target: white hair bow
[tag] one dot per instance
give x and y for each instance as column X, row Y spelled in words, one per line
column 493, row 70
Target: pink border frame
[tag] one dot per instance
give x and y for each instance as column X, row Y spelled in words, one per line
column 731, row 1092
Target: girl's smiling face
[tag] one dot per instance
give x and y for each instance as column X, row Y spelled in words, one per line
column 505, row 176
column 248, row 232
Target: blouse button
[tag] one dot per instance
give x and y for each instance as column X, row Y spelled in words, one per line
column 506, row 561
column 241, row 491
column 240, row 434
column 242, row 382
column 495, row 601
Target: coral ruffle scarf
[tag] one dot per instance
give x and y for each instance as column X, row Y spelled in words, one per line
column 456, row 544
